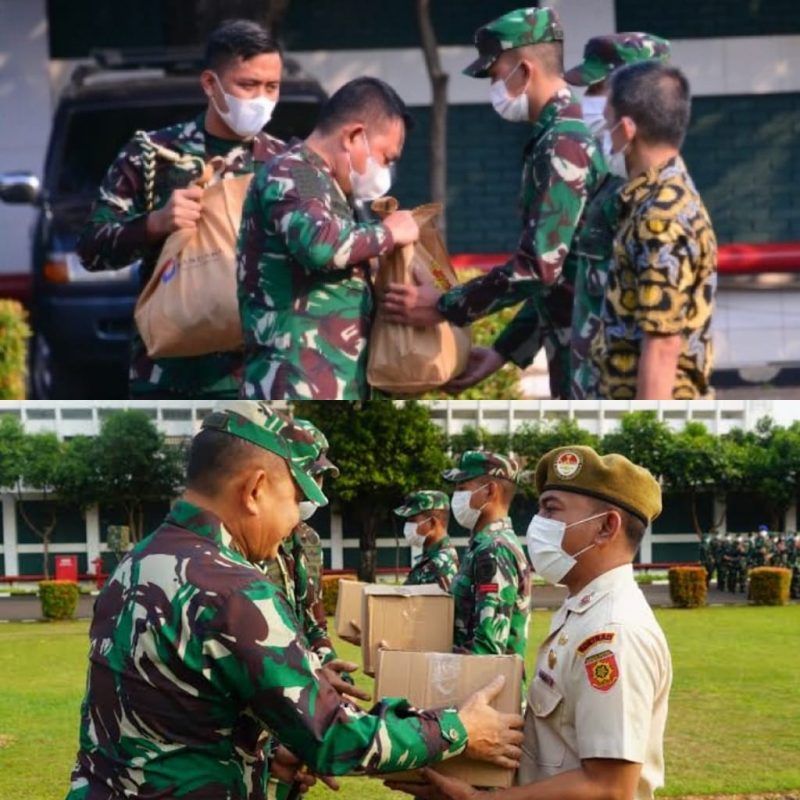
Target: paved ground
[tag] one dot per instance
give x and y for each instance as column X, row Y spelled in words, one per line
column 17, row 609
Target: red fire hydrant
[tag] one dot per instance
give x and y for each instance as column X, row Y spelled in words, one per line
column 99, row 575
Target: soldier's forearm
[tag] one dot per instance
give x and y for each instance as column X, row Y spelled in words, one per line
column 113, row 245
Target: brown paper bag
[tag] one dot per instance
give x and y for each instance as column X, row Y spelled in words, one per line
column 404, row 359
column 189, row 306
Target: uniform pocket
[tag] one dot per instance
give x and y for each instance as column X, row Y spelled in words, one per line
column 543, row 724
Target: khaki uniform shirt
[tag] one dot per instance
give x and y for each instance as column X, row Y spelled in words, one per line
column 600, row 686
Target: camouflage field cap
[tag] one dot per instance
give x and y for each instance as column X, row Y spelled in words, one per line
column 603, row 54
column 475, row 463
column 261, row 425
column 612, row 478
column 317, row 453
column 424, row 500
column 516, row 29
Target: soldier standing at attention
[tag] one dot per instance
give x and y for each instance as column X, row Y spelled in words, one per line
column 427, row 514
column 493, row 584
column 305, row 296
column 138, row 208
column 195, row 658
column 522, row 53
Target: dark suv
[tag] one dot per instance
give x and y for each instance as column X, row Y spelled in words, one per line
column 82, row 321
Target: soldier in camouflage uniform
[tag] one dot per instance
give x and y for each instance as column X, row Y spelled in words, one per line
column 562, row 167
column 305, row 295
column 492, row 587
column 195, row 658
column 145, row 197
column 427, row 514
column 595, row 242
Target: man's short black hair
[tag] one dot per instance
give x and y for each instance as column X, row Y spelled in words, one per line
column 656, row 97
column 238, row 38
column 215, row 456
column 367, row 100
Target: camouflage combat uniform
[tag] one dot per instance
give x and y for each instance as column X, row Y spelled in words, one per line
column 195, row 657
column 305, row 296
column 437, row 564
column 492, row 594
column 115, row 237
column 292, row 572
column 562, row 168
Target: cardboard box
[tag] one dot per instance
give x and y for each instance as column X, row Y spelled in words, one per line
column 434, row 680
column 349, row 608
column 418, row 618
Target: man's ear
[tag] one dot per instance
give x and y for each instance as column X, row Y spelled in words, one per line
column 253, row 486
column 629, row 127
column 611, row 528
column 351, row 134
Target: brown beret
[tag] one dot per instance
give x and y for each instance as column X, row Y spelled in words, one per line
column 611, row 478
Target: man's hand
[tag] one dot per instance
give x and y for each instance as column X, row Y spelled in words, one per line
column 438, row 787
column 356, row 638
column 286, row 767
column 333, row 670
column 403, row 226
column 412, row 305
column 482, row 362
column 181, row 211
column 493, row 736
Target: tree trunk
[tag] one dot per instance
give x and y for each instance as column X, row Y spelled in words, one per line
column 695, row 520
column 438, row 141
column 369, row 527
column 45, row 533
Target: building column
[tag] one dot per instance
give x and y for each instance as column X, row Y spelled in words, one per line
column 337, row 542
column 92, row 535
column 791, row 518
column 10, row 534
column 719, row 512
column 646, row 548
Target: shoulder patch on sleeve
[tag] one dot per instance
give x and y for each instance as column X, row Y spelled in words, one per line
column 596, row 638
column 307, row 180
column 602, row 670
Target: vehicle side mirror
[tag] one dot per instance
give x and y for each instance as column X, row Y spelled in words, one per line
column 19, row 188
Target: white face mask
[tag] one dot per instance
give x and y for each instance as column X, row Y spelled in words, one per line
column 592, row 108
column 465, row 514
column 544, row 539
column 307, row 509
column 513, row 109
column 615, row 161
column 245, row 118
column 374, row 182
column 410, row 532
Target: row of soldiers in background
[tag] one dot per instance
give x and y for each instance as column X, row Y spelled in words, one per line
column 731, row 557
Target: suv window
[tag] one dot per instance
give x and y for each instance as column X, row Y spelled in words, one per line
column 94, row 137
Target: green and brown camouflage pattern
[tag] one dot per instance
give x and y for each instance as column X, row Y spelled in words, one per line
column 492, row 594
column 563, row 167
column 476, row 463
column 316, row 462
column 595, row 251
column 195, row 659
column 263, row 426
column 422, row 500
column 296, row 572
column 115, row 236
column 518, row 28
column 437, row 564
column 305, row 296
column 603, row 54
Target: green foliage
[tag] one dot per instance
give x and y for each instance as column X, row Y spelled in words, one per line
column 129, row 464
column 532, row 440
column 643, row 439
column 59, row 599
column 769, row 586
column 472, row 438
column 504, row 384
column 384, row 450
column 687, row 586
column 14, row 334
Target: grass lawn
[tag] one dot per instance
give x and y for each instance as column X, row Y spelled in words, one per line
column 734, row 723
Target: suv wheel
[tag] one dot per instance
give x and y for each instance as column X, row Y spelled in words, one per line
column 50, row 380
